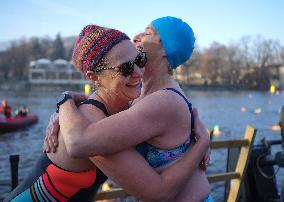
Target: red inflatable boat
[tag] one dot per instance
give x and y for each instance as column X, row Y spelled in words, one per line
column 16, row 123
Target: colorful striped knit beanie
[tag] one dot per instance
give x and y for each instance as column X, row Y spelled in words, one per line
column 92, row 44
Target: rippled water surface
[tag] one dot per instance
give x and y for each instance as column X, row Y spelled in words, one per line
column 222, row 108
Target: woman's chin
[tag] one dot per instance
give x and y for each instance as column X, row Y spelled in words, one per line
column 133, row 95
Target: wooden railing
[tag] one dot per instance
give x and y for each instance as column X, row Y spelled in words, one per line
column 235, row 177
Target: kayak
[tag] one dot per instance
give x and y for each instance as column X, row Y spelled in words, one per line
column 18, row 122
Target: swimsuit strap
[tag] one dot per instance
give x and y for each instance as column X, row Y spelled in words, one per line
column 188, row 104
column 97, row 104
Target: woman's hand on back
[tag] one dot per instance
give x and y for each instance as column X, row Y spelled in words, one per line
column 201, row 134
column 51, row 134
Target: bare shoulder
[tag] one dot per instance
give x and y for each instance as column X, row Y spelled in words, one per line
column 161, row 99
column 91, row 112
column 162, row 105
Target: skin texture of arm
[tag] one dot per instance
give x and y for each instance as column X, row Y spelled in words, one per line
column 148, row 118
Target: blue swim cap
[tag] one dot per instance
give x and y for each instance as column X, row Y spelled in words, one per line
column 177, row 38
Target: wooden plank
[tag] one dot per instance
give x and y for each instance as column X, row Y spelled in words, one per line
column 232, row 160
column 242, row 164
column 229, row 143
column 111, row 194
column 223, row 176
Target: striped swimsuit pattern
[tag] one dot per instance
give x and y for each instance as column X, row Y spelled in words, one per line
column 56, row 184
column 41, row 190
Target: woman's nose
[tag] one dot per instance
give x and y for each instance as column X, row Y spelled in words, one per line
column 138, row 72
column 137, row 38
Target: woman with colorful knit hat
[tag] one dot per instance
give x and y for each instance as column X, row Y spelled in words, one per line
column 56, row 176
column 112, row 63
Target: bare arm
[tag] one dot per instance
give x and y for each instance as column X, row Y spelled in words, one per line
column 133, row 173
column 146, row 119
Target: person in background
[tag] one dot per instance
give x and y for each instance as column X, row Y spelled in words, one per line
column 22, row 111
column 6, row 109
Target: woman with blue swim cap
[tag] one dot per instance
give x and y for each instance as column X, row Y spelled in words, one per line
column 159, row 123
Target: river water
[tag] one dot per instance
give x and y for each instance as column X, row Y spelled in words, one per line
column 222, row 108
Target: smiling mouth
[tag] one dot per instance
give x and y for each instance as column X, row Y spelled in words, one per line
column 137, row 84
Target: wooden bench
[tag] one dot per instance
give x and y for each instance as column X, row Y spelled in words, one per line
column 235, row 177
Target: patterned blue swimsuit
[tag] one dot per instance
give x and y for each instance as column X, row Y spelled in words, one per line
column 157, row 157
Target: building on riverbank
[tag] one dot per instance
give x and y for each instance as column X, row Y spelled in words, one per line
column 57, row 74
column 44, row 71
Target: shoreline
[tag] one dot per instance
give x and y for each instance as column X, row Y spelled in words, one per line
column 219, row 88
column 25, row 85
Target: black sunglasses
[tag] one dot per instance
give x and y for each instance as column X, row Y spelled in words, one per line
column 127, row 68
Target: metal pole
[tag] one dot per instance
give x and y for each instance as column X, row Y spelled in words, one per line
column 14, row 162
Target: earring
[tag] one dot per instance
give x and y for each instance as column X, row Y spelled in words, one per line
column 98, row 85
